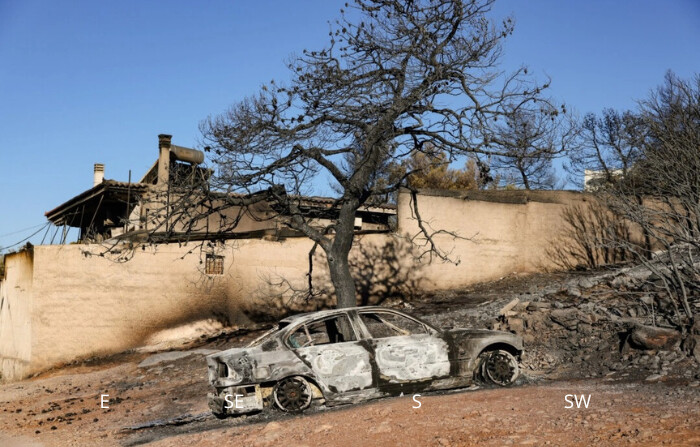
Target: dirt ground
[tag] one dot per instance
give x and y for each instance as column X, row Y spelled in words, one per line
column 529, row 415
column 64, row 410
column 160, row 400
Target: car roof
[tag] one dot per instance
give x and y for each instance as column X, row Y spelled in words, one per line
column 322, row 313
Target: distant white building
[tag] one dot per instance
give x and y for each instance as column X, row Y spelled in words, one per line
column 593, row 178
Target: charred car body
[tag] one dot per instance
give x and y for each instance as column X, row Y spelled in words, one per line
column 350, row 355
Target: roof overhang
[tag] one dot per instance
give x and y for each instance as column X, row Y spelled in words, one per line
column 108, row 193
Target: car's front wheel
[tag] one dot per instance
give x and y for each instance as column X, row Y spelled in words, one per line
column 497, row 367
column 293, row 394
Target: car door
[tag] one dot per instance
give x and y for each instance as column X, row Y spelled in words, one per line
column 331, row 349
column 405, row 350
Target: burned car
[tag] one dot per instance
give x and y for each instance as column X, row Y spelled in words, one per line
column 350, row 355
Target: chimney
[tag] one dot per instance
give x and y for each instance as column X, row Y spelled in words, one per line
column 164, row 158
column 98, row 174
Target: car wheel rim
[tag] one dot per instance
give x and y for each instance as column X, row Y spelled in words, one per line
column 293, row 394
column 501, row 368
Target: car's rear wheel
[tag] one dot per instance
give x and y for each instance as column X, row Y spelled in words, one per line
column 497, row 367
column 293, row 394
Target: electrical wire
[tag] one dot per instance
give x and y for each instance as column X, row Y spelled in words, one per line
column 27, row 238
column 23, row 230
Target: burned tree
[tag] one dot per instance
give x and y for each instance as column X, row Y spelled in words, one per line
column 528, row 142
column 591, row 237
column 407, row 74
column 607, row 148
column 661, row 192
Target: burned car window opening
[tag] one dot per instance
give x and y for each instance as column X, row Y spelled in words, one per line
column 267, row 335
column 331, row 330
column 382, row 325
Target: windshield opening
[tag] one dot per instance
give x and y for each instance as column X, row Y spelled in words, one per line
column 264, row 337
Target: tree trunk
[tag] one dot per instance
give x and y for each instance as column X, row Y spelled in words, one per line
column 342, row 280
column 526, row 183
column 337, row 255
column 645, row 230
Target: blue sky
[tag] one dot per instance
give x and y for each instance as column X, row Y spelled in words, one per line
column 84, row 82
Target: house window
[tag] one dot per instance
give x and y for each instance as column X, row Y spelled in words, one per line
column 214, row 265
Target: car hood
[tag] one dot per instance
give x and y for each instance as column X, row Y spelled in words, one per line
column 485, row 336
column 232, row 353
column 251, row 364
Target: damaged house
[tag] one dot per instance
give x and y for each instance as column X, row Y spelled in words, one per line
column 136, row 210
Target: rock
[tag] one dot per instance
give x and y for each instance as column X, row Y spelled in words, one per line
column 603, row 346
column 631, row 278
column 568, row 318
column 655, row 362
column 692, row 345
column 649, row 337
column 587, row 283
column 529, row 338
column 585, row 318
column 622, row 281
column 538, row 305
column 647, row 299
column 585, row 329
column 516, row 325
column 508, row 307
column 653, row 377
column 696, row 351
column 523, row 305
column 574, row 291
column 695, row 329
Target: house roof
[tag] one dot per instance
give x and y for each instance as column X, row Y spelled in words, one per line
column 108, row 193
column 113, row 193
column 329, row 202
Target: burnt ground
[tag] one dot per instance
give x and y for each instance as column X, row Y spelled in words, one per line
column 637, row 396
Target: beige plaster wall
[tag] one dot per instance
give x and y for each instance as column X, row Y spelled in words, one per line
column 86, row 304
column 15, row 316
column 77, row 301
column 505, row 231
